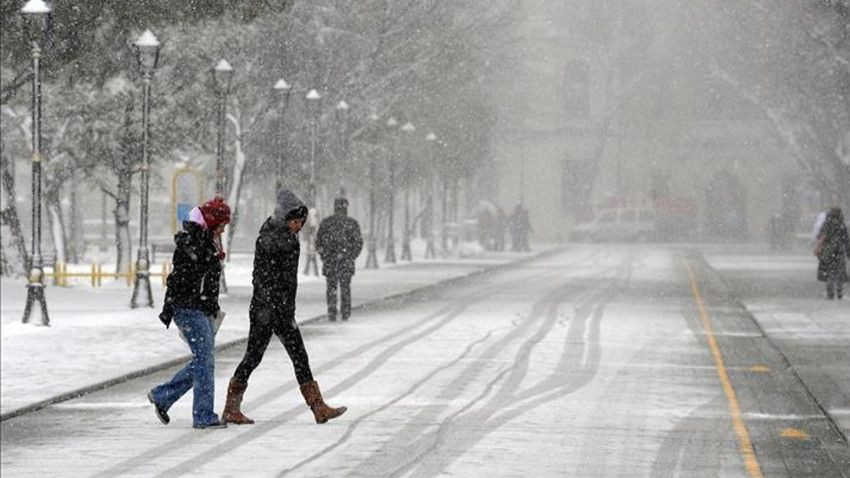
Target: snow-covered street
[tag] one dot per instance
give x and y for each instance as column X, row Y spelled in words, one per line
column 611, row 360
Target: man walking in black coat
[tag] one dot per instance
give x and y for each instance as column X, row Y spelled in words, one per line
column 272, row 310
column 338, row 243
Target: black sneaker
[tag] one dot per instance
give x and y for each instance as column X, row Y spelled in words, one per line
column 161, row 413
column 214, row 425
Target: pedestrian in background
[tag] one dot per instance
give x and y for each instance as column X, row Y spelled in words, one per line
column 272, row 310
column 832, row 250
column 191, row 301
column 338, row 243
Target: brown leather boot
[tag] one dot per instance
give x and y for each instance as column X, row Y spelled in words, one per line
column 231, row 413
column 321, row 411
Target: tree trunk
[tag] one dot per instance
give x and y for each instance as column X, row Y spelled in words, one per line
column 123, row 243
column 57, row 226
column 10, row 217
column 235, row 191
column 75, row 246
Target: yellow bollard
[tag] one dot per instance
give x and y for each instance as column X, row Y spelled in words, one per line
column 94, row 275
column 64, row 273
column 130, row 274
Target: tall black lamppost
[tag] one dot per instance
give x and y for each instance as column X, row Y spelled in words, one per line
column 372, row 246
column 444, row 240
column 314, row 100
column 36, row 17
column 222, row 75
column 342, row 118
column 430, row 253
column 390, row 256
column 406, row 255
column 282, row 89
column 147, row 47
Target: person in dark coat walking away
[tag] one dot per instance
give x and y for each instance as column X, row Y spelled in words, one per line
column 191, row 301
column 338, row 243
column 272, row 310
column 832, row 250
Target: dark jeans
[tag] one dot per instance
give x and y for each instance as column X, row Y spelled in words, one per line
column 343, row 282
column 264, row 323
column 834, row 283
column 198, row 374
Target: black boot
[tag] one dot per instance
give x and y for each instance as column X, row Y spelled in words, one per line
column 161, row 413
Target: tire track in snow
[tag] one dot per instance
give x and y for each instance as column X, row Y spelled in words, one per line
column 470, row 429
column 381, row 461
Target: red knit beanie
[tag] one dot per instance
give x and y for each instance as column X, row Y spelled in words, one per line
column 216, row 212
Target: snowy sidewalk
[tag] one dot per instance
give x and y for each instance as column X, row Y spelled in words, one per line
column 790, row 306
column 95, row 337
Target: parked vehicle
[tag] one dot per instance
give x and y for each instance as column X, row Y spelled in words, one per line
column 612, row 225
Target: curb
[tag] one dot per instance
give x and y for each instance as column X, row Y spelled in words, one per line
column 233, row 343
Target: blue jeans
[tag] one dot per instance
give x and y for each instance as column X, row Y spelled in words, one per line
column 198, row 374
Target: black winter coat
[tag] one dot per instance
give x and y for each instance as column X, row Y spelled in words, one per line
column 834, row 254
column 194, row 281
column 338, row 243
column 275, row 278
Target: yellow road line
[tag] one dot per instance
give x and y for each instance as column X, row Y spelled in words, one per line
column 744, row 442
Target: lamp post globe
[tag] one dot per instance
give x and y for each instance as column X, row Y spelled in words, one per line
column 36, row 13
column 147, row 50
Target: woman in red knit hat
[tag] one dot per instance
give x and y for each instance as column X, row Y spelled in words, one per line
column 191, row 301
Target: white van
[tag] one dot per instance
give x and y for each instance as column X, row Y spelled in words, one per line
column 613, row 225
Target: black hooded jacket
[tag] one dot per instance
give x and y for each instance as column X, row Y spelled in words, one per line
column 194, row 281
column 339, row 241
column 276, row 256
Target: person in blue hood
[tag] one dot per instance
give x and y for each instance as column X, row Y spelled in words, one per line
column 272, row 310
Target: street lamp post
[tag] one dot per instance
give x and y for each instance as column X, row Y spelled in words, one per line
column 430, row 253
column 282, row 89
column 406, row 255
column 372, row 247
column 147, row 47
column 444, row 240
column 223, row 75
column 342, row 118
column 314, row 99
column 390, row 256
column 36, row 14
